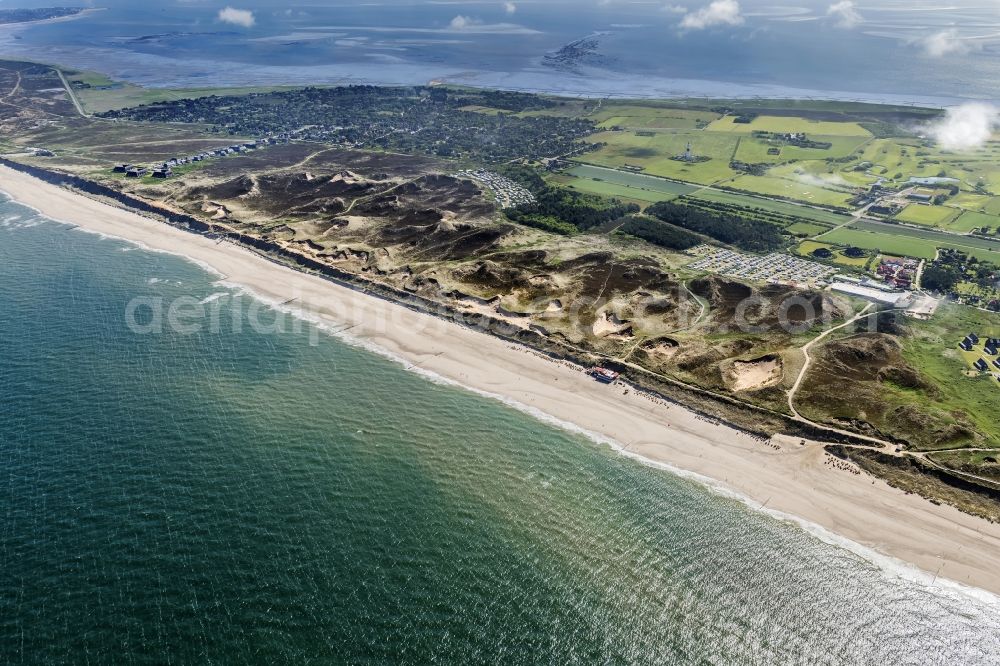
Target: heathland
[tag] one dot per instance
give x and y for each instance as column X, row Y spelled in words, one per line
column 690, row 245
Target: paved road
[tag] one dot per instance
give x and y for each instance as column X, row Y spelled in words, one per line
column 71, row 93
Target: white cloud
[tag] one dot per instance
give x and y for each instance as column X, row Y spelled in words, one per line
column 675, row 9
column 966, row 127
column 946, row 42
column 509, row 7
column 241, row 17
column 719, row 12
column 473, row 25
column 822, row 180
column 845, row 13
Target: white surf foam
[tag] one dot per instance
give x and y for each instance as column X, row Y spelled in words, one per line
column 888, row 564
column 214, row 297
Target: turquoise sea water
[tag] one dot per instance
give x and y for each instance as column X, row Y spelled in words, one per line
column 238, row 497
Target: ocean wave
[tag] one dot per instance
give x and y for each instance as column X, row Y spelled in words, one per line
column 214, row 297
column 17, row 221
column 886, row 563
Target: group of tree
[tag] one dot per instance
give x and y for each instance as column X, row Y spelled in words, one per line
column 744, row 233
column 544, row 222
column 953, row 267
column 658, row 233
column 941, row 278
column 556, row 207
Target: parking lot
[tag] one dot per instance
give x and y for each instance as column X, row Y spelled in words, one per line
column 777, row 268
column 508, row 193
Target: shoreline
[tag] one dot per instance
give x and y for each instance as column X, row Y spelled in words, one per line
column 902, row 533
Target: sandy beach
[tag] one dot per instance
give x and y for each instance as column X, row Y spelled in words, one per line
column 782, row 477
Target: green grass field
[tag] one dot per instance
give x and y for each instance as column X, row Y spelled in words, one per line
column 869, row 240
column 910, row 242
column 801, row 189
column 605, row 189
column 659, row 188
column 654, row 153
column 973, row 289
column 819, row 215
column 932, row 348
column 104, row 94
column 656, row 132
column 639, row 188
column 755, row 151
column 804, row 229
column 970, row 201
column 931, row 216
column 970, row 220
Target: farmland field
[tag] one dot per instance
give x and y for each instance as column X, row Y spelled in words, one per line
column 788, row 124
column 814, row 184
column 824, row 177
column 651, row 117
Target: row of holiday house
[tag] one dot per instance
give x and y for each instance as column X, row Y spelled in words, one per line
column 165, row 170
column 991, row 348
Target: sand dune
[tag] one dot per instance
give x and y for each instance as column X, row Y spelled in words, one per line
column 789, row 478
